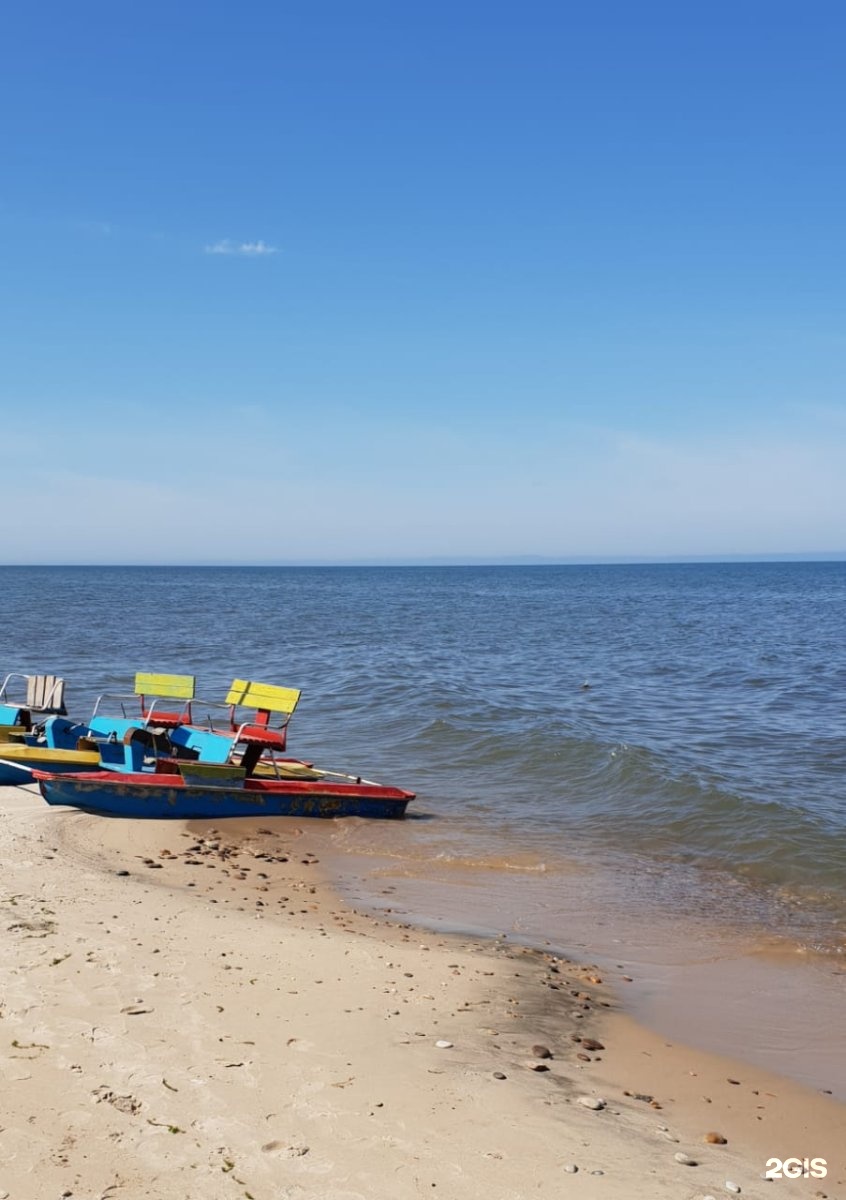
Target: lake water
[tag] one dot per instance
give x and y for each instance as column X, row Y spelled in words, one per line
column 639, row 758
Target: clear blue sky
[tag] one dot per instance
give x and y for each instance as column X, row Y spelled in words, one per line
column 354, row 280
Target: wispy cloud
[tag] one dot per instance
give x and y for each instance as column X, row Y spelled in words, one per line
column 95, row 228
column 245, row 249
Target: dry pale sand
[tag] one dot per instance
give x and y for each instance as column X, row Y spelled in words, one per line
column 215, row 1024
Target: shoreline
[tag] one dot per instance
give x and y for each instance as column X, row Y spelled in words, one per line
column 685, row 976
column 221, row 1024
column 689, row 973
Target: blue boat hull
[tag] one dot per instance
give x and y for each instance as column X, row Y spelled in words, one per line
column 168, row 797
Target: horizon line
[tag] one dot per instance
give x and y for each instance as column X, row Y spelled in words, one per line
column 472, row 561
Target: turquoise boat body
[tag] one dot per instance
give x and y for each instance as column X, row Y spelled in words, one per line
column 60, row 733
column 11, row 714
column 161, row 796
column 105, row 743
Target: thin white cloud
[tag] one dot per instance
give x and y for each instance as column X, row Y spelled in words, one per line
column 245, row 249
column 95, row 228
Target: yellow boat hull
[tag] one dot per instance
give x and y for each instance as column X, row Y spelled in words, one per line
column 17, row 761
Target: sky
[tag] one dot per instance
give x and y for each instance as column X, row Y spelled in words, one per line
column 350, row 280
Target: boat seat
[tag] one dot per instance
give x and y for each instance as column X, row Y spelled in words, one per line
column 268, row 702
column 267, row 726
column 152, row 689
column 155, row 694
column 45, row 694
column 262, row 736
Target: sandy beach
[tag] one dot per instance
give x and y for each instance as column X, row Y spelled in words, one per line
column 192, row 1012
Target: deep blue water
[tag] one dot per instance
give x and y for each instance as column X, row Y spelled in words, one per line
column 708, row 749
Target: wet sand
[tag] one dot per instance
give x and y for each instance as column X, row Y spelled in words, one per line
column 191, row 1011
column 692, row 973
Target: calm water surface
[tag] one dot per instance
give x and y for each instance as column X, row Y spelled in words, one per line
column 682, row 725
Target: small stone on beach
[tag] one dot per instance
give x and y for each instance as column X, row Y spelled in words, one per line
column 571, row 1169
column 443, row 1045
column 590, row 1102
column 541, row 1052
column 732, row 1187
column 715, row 1139
column 685, row 1159
column 499, row 1075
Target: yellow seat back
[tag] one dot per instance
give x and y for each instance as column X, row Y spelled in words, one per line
column 172, row 687
column 264, row 697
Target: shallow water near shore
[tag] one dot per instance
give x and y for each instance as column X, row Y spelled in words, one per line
column 690, row 975
column 599, row 753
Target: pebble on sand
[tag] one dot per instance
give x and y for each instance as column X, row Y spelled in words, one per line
column 715, row 1139
column 685, row 1159
column 571, row 1169
column 732, row 1187
column 499, row 1075
column 443, row 1045
column 590, row 1102
column 541, row 1051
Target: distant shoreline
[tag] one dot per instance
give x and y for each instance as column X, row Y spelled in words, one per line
column 821, row 557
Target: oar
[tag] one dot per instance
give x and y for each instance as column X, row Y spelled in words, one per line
column 303, row 768
column 345, row 775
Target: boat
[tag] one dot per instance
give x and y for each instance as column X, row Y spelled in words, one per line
column 63, row 745
column 123, row 743
column 175, row 768
column 201, row 791
column 67, row 747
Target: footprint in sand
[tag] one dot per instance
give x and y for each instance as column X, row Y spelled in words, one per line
column 282, row 1150
column 124, row 1104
